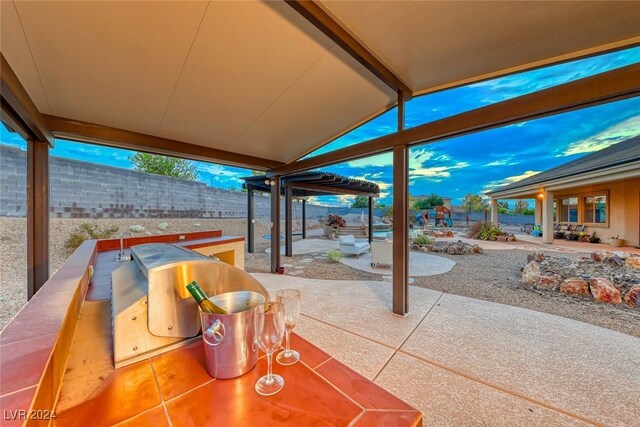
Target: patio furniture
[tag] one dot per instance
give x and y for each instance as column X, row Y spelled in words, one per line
column 381, row 253
column 575, row 233
column 559, row 233
column 349, row 246
column 536, row 231
column 527, row 228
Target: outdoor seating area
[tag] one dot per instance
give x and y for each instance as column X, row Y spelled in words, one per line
column 319, row 213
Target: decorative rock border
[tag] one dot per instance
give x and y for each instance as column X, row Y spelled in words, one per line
column 607, row 276
column 451, row 248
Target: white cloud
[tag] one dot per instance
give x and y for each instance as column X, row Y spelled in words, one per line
column 617, row 133
column 502, row 162
column 437, row 171
column 508, row 180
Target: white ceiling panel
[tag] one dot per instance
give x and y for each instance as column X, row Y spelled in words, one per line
column 111, row 63
column 328, row 100
column 15, row 49
column 431, row 44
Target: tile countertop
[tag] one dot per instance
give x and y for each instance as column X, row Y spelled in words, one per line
column 172, row 388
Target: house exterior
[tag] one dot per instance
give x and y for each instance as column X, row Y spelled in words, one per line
column 600, row 190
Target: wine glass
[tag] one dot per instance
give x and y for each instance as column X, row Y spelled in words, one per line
column 291, row 300
column 268, row 320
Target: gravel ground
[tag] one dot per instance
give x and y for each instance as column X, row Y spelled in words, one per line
column 492, row 276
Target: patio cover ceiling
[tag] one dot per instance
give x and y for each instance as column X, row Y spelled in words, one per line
column 316, row 183
column 259, row 79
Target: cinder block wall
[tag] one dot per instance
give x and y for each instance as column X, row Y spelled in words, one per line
column 86, row 190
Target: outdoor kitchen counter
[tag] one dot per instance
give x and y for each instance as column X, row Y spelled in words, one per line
column 174, row 388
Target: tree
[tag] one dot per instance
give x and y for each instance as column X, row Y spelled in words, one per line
column 360, row 202
column 474, row 203
column 163, row 165
column 503, row 207
column 258, row 173
column 521, row 207
column 428, row 202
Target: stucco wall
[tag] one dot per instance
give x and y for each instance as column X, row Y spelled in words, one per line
column 624, row 209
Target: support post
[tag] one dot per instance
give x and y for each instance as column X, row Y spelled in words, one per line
column 288, row 221
column 547, row 217
column 275, row 224
column 37, row 215
column 371, row 210
column 400, row 221
column 250, row 221
column 538, row 212
column 304, row 219
column 494, row 211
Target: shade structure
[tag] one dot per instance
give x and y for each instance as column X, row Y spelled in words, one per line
column 300, row 185
column 263, row 79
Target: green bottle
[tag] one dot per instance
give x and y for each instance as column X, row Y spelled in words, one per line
column 203, row 301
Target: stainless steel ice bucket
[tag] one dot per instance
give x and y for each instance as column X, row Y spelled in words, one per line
column 229, row 345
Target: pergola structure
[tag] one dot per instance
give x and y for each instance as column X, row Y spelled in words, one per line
column 262, row 84
column 301, row 185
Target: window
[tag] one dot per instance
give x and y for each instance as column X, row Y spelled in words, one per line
column 569, row 209
column 595, row 209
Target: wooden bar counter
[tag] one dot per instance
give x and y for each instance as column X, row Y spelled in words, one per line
column 57, row 367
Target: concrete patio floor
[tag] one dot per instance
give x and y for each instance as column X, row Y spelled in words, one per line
column 420, row 264
column 469, row 362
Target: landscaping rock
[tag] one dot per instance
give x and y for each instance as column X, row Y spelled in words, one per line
column 621, row 254
column 600, row 256
column 603, row 290
column 549, row 282
column 616, row 260
column 632, row 298
column 451, row 248
column 575, row 286
column 633, row 262
column 531, row 273
column 537, row 257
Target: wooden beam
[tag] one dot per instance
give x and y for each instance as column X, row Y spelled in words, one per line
column 304, row 219
column 288, row 221
column 251, row 226
column 320, row 19
column 17, row 105
column 112, row 137
column 332, row 190
column 37, row 215
column 275, row 225
column 400, row 276
column 601, row 88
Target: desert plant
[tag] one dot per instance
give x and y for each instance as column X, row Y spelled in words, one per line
column 421, row 240
column 484, row 231
column 163, row 226
column 88, row 231
column 335, row 221
column 334, row 255
column 137, row 228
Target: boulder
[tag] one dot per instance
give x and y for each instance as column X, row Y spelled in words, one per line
column 549, row 282
column 617, row 261
column 632, row 298
column 633, row 262
column 537, row 257
column 575, row 286
column 531, row 273
column 600, row 256
column 604, row 291
column 621, row 254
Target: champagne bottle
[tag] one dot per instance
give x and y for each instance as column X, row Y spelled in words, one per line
column 201, row 298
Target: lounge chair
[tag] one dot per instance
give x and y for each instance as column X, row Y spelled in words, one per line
column 349, row 246
column 381, row 253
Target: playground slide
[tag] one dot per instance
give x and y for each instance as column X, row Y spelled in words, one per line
column 449, row 222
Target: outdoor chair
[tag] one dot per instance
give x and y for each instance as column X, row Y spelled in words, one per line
column 381, row 253
column 559, row 233
column 349, row 246
column 575, row 233
column 527, row 228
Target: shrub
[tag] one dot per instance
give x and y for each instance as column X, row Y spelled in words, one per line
column 137, row 228
column 334, row 255
column 163, row 226
column 421, row 240
column 88, row 231
column 484, row 231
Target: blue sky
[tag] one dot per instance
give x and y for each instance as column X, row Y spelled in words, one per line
column 452, row 168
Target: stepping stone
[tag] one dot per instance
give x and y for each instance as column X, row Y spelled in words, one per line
column 287, row 265
column 390, row 279
column 299, row 267
column 295, row 273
